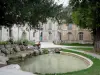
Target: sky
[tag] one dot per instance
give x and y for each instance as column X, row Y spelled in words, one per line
column 64, row 2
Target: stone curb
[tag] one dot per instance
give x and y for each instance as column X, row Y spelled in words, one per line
column 85, row 59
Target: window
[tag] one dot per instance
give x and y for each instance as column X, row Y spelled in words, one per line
column 80, row 35
column 59, row 33
column 69, row 36
column 50, row 35
column 33, row 34
column 70, row 27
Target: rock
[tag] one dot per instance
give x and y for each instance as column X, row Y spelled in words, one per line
column 40, row 52
column 22, row 48
column 30, row 47
column 13, row 70
column 2, row 54
column 2, row 46
column 5, row 51
column 16, row 48
column 23, row 55
column 36, row 52
column 8, row 46
column 3, row 59
column 57, row 50
column 10, row 49
column 12, row 66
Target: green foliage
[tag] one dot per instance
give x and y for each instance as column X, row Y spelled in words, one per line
column 27, row 11
column 4, row 43
column 45, row 51
column 31, row 43
column 24, row 42
column 85, row 13
column 85, row 49
column 64, row 16
column 20, row 42
column 76, row 44
column 75, row 16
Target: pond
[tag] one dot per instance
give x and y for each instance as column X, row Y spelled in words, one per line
column 53, row 63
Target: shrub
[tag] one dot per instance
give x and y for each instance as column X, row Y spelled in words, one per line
column 4, row 42
column 45, row 51
column 18, row 42
column 24, row 42
column 31, row 43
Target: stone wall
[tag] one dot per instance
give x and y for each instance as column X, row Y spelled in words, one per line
column 16, row 33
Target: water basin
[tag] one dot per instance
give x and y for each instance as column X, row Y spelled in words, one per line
column 53, row 63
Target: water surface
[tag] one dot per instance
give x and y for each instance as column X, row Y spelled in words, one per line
column 53, row 63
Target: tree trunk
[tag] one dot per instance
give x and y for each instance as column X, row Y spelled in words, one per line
column 97, row 40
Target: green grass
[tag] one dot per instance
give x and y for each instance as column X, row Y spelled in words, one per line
column 85, row 49
column 94, row 70
column 76, row 44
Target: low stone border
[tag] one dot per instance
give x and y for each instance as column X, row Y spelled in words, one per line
column 86, row 60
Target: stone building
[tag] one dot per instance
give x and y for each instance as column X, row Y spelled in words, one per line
column 19, row 33
column 73, row 34
column 53, row 32
column 48, row 32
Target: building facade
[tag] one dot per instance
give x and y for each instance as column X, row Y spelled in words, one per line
column 19, row 33
column 53, row 32
column 73, row 34
column 48, row 32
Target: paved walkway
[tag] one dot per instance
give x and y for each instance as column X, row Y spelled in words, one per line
column 13, row 69
column 88, row 53
column 51, row 45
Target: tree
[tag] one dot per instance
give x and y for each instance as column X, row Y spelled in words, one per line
column 64, row 16
column 27, row 11
column 86, row 14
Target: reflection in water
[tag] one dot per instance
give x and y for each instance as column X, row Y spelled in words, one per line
column 53, row 63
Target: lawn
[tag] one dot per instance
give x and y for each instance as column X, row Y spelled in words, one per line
column 94, row 70
column 76, row 44
column 85, row 49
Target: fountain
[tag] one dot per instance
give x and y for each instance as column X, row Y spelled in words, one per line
column 55, row 63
